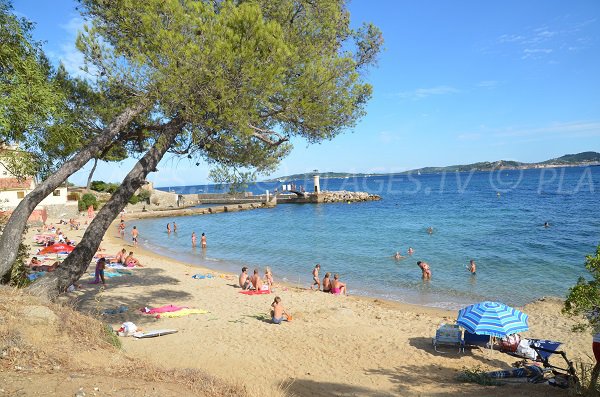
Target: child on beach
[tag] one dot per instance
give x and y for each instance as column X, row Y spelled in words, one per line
column 268, row 277
column 425, row 269
column 315, row 274
column 99, row 273
column 278, row 311
column 134, row 236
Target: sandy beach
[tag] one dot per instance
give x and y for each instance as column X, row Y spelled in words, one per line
column 334, row 346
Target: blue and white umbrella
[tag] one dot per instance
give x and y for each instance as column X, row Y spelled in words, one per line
column 492, row 318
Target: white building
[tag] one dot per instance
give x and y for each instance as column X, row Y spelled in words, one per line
column 12, row 190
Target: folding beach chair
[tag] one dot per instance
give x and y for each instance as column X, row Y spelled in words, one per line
column 450, row 335
column 475, row 340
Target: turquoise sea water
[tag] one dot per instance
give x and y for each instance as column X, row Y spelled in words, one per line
column 495, row 218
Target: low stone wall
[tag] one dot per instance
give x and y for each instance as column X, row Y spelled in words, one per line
column 345, row 196
column 198, row 211
column 327, row 197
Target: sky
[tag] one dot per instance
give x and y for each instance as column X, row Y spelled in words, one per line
column 458, row 82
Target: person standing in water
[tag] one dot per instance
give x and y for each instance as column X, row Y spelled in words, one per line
column 174, row 227
column 425, row 269
column 472, row 267
column 203, row 240
column 194, row 239
column 134, row 236
column 168, row 228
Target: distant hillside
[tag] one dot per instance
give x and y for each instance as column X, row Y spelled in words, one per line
column 584, row 158
column 579, row 158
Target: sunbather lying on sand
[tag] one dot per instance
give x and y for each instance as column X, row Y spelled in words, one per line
column 45, row 268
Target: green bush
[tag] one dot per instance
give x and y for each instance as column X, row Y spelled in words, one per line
column 144, row 195
column 98, row 186
column 134, row 199
column 87, row 200
column 111, row 187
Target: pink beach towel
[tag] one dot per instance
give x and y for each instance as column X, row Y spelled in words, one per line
column 162, row 309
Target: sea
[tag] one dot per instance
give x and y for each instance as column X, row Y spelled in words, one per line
column 495, row 218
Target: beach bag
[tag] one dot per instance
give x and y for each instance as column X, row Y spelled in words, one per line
column 525, row 350
column 127, row 329
column 510, row 343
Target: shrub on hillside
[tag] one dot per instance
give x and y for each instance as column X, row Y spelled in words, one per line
column 144, row 195
column 87, row 200
column 111, row 187
column 98, row 186
column 134, row 199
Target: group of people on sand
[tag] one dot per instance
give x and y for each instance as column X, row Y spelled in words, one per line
column 122, row 258
column 255, row 282
column 334, row 286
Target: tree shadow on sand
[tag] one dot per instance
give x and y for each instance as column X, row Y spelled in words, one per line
column 94, row 299
column 451, row 352
column 409, row 380
column 412, row 380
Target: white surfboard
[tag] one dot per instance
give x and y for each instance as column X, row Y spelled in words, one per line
column 155, row 333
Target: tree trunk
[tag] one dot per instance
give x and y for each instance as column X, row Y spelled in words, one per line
column 89, row 181
column 76, row 264
column 593, row 380
column 13, row 230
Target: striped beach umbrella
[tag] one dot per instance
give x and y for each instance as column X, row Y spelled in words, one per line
column 492, row 318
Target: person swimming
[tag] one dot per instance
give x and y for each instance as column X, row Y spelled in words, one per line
column 397, row 256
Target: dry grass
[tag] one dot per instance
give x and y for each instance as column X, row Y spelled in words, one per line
column 62, row 339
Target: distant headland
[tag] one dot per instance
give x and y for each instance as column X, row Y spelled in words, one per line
column 568, row 160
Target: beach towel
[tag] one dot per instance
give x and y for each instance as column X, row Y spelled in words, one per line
column 116, row 266
column 36, row 275
column 202, row 276
column 108, row 274
column 254, row 292
column 181, row 313
column 120, row 309
column 162, row 309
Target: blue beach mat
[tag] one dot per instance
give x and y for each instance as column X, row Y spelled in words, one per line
column 118, row 310
column 202, row 276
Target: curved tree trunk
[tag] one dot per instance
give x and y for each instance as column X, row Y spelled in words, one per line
column 13, row 230
column 592, row 391
column 91, row 175
column 78, row 261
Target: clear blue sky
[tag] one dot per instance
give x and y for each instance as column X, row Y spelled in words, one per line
column 458, row 82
